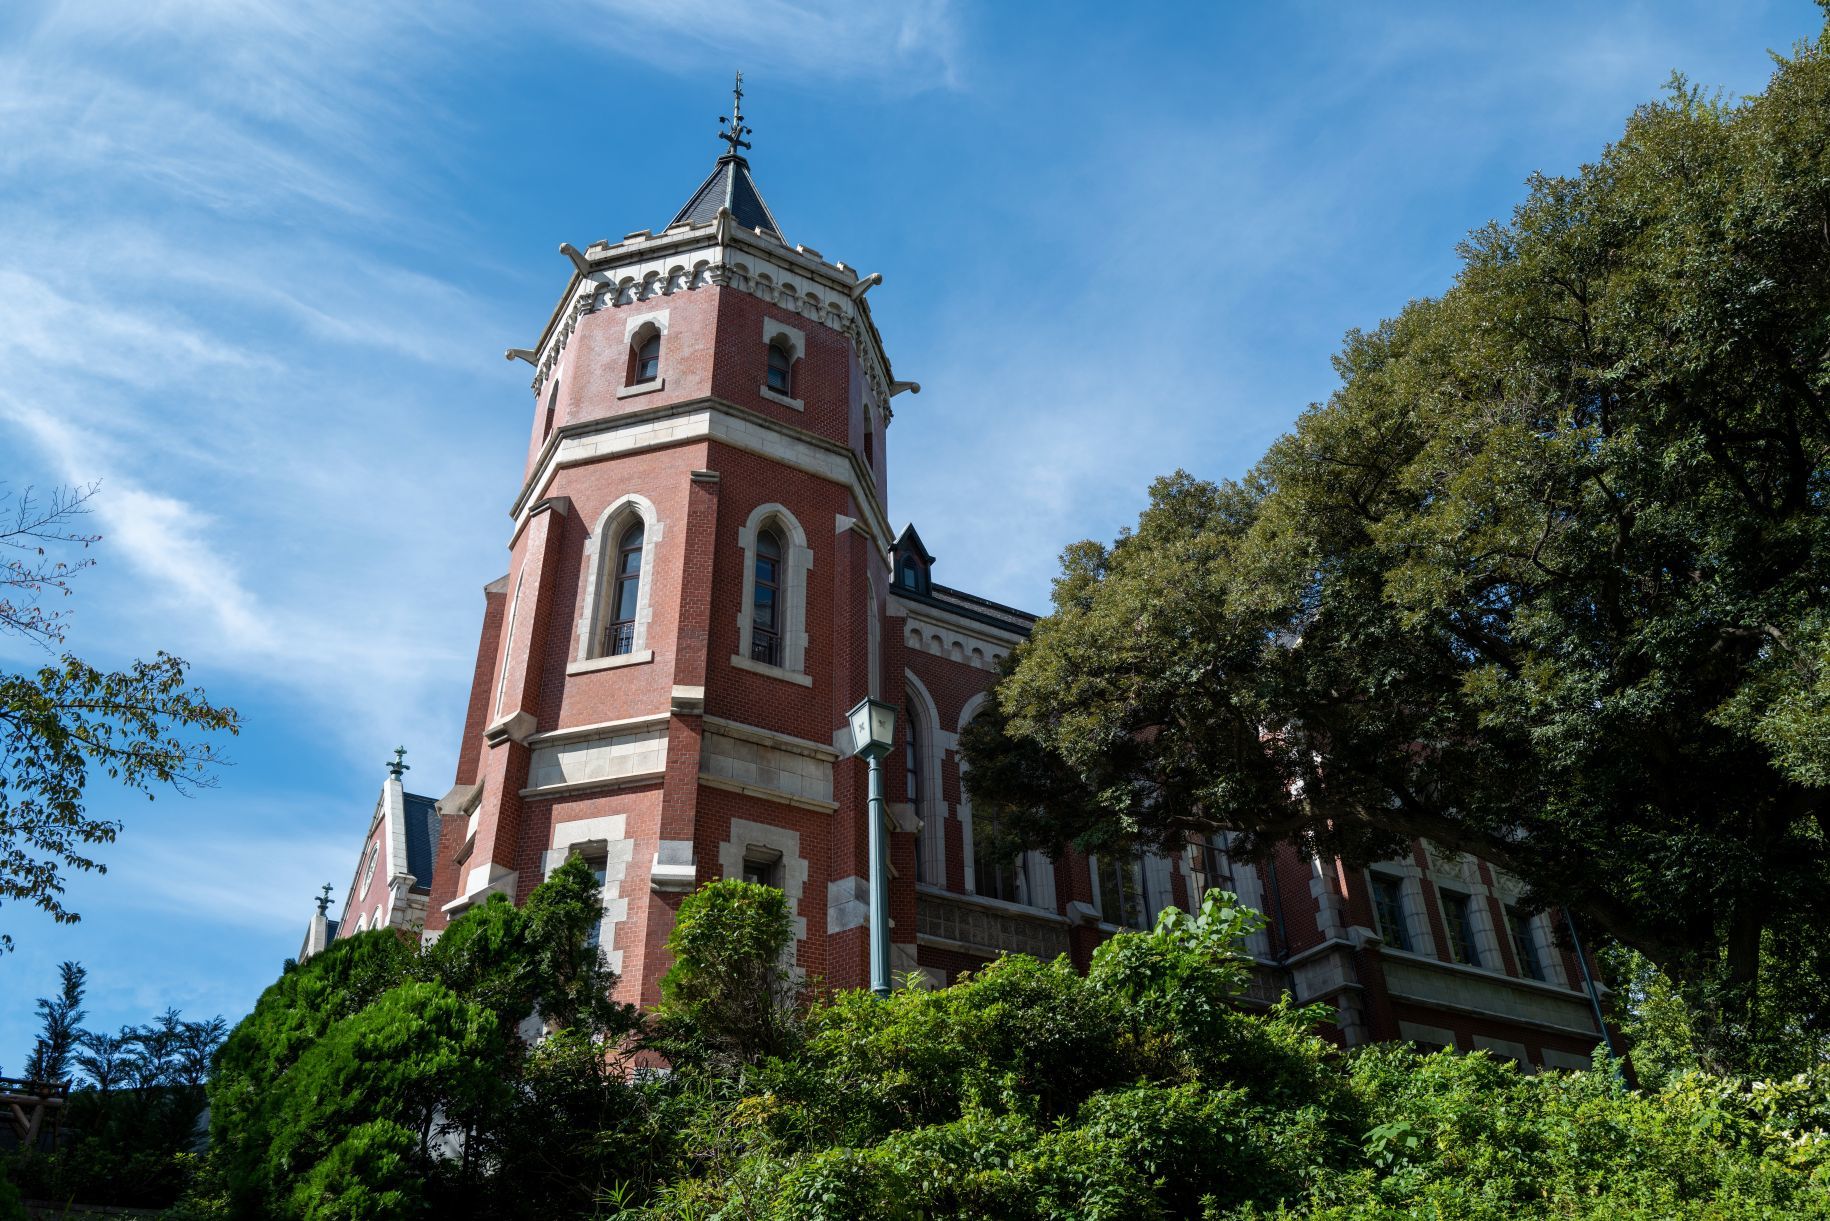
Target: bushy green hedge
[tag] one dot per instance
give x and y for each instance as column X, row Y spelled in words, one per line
column 1141, row 1090
column 378, row 1082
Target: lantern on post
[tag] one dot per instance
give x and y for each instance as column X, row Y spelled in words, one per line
column 873, row 732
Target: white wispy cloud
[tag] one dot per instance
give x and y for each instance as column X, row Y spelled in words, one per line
column 903, row 48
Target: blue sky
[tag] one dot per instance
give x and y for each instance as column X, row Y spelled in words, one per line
column 259, row 260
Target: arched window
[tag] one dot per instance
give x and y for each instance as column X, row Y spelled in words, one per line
column 781, row 369
column 625, row 593
column 552, row 410
column 912, row 788
column 765, row 605
column 647, row 360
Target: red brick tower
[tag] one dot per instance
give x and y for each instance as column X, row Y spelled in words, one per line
column 694, row 597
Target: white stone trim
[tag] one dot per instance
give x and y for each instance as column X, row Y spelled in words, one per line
column 661, row 427
column 568, row 764
column 1417, row 1032
column 792, row 338
column 792, row 611
column 750, row 761
column 776, row 396
column 746, row 835
column 631, row 391
column 1568, row 1061
column 614, row 662
column 848, row 904
column 610, row 831
column 953, row 628
column 636, row 322
column 1504, row 1047
column 647, row 266
column 600, row 555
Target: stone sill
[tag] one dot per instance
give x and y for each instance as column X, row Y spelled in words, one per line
column 776, row 396
column 756, row 667
column 631, row 780
column 1021, row 910
column 591, row 665
column 768, row 794
column 629, row 392
column 600, row 729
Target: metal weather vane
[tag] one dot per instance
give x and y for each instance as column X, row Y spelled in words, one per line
column 737, row 131
column 399, row 765
column 324, row 901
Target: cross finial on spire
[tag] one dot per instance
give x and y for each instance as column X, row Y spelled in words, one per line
column 735, row 136
column 324, row 901
column 399, row 764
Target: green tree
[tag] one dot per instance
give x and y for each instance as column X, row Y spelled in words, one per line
column 486, row 1075
column 60, row 1021
column 143, row 727
column 730, row 997
column 1543, row 581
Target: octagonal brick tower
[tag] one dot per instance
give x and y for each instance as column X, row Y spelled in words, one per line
column 694, row 595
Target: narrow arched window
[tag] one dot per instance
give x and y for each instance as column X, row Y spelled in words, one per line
column 552, row 411
column 924, row 868
column 781, row 370
column 766, row 609
column 625, row 593
column 911, row 573
column 647, row 360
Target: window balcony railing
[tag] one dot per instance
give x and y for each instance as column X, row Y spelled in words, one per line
column 619, row 638
column 765, row 647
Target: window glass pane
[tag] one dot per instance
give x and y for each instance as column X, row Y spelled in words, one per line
column 1120, row 895
column 1388, row 908
column 1458, row 921
column 648, row 359
column 1524, row 945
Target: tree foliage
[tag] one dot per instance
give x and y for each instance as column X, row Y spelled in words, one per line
column 143, row 727
column 1545, row 579
column 129, row 1133
column 730, row 996
column 377, row 1080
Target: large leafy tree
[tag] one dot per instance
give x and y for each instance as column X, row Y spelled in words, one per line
column 1545, row 579
column 143, row 727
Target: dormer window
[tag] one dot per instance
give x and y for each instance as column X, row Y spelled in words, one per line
column 647, row 360
column 781, row 369
column 910, row 577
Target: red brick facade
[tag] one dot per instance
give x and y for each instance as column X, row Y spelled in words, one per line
column 696, row 745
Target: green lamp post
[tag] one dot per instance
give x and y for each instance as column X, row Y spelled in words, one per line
column 873, row 732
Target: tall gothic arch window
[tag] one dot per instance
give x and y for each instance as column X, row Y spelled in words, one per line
column 766, row 600
column 911, row 765
column 625, row 593
column 772, row 618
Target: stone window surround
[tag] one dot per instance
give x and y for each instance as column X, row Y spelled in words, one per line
column 931, row 810
column 583, row 836
column 1461, row 872
column 747, row 838
column 1416, row 914
column 636, row 327
column 600, row 554
column 796, row 563
column 795, row 341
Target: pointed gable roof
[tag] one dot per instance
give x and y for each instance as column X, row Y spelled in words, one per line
column 909, row 542
column 730, row 186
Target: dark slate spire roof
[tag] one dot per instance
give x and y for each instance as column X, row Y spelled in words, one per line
column 730, row 186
